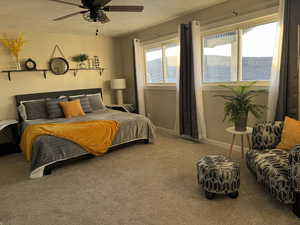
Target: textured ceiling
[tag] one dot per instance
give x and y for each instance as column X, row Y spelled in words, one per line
column 37, row 15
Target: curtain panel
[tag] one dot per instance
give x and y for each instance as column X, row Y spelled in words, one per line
column 190, row 99
column 289, row 74
column 139, row 76
column 276, row 65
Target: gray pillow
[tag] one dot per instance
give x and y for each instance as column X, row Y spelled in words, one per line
column 53, row 108
column 84, row 102
column 96, row 102
column 35, row 109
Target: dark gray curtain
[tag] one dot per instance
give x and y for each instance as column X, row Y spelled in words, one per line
column 187, row 98
column 289, row 76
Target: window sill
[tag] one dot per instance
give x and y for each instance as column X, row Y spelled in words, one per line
column 216, row 86
column 167, row 87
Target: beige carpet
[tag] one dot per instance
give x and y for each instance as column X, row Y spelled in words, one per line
column 151, row 184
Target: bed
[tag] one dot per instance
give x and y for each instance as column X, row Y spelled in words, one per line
column 48, row 152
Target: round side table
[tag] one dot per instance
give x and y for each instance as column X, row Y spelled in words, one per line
column 246, row 133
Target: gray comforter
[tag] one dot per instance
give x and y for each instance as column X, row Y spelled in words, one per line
column 47, row 150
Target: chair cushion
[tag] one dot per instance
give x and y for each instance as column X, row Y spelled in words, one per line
column 271, row 169
column 290, row 134
column 266, row 135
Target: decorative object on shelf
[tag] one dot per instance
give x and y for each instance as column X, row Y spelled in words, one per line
column 58, row 65
column 90, row 63
column 15, row 46
column 119, row 85
column 96, row 63
column 30, row 64
column 240, row 103
column 80, row 59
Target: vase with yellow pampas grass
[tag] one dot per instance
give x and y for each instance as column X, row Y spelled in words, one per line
column 15, row 46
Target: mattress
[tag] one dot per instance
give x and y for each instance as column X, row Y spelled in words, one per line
column 47, row 150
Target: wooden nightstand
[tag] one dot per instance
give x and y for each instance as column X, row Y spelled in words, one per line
column 13, row 146
column 124, row 108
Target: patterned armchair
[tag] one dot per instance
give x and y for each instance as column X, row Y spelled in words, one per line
column 278, row 170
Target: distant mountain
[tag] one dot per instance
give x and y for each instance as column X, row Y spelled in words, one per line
column 217, row 68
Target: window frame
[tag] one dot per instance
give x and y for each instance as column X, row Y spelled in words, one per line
column 159, row 44
column 239, row 29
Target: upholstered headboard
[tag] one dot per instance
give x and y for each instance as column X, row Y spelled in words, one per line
column 35, row 96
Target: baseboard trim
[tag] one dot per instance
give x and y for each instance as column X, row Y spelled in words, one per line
column 224, row 145
column 220, row 144
column 168, row 131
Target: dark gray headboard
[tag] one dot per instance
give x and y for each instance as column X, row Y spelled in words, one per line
column 56, row 94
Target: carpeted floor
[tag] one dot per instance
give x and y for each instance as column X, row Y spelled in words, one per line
column 151, row 184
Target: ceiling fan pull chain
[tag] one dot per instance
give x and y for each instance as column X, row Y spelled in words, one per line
column 60, row 51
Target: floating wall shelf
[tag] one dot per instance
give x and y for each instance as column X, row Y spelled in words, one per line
column 45, row 71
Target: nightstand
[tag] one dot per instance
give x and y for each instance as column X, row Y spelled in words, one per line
column 130, row 108
column 13, row 146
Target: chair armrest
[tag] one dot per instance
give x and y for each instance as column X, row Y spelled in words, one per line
column 294, row 168
column 266, row 135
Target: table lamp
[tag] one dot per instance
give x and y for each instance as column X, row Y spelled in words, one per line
column 119, row 85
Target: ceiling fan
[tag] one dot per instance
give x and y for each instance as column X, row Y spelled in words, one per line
column 95, row 10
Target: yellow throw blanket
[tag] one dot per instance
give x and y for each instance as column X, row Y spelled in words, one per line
column 94, row 136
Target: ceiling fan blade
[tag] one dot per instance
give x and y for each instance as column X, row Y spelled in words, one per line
column 70, row 15
column 67, row 3
column 115, row 8
column 101, row 3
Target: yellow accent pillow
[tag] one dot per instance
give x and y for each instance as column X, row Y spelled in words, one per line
column 72, row 108
column 290, row 134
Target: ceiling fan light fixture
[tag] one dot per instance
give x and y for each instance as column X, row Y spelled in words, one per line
column 96, row 16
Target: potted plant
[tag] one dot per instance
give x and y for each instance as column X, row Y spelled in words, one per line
column 80, row 59
column 240, row 103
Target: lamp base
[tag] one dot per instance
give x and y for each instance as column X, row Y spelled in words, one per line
column 120, row 97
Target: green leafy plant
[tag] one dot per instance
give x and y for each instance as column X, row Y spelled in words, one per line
column 80, row 58
column 240, row 102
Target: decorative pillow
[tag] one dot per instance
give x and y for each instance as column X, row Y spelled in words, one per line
column 35, row 109
column 53, row 108
column 22, row 111
column 72, row 108
column 290, row 134
column 96, row 101
column 84, row 101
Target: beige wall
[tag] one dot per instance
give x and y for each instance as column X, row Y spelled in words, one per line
column 39, row 46
column 214, row 115
column 161, row 107
column 161, row 104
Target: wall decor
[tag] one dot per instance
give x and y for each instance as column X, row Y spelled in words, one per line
column 80, row 60
column 15, row 46
column 96, row 63
column 30, row 64
column 58, row 65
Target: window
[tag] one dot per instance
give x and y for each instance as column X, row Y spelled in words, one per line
column 219, row 57
column 240, row 55
column 162, row 63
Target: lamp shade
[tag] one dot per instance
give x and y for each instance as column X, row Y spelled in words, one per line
column 118, row 84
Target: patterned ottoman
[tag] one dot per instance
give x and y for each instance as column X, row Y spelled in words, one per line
column 218, row 175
